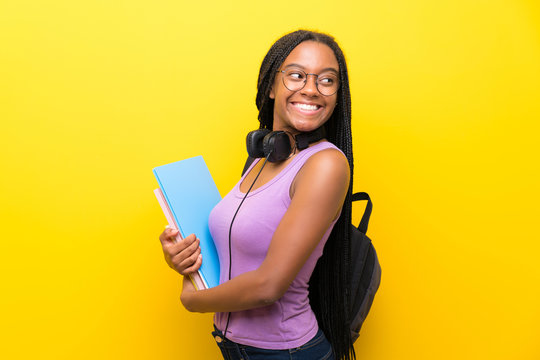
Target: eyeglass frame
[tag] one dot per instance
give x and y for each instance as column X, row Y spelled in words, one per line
column 305, row 82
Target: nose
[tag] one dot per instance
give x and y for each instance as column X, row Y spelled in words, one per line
column 310, row 88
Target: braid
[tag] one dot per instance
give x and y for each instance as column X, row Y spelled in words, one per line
column 329, row 285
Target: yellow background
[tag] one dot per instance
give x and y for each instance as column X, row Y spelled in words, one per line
column 94, row 94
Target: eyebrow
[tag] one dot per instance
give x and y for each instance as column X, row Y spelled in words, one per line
column 302, row 67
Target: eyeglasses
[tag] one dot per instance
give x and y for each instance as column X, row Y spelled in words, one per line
column 295, row 80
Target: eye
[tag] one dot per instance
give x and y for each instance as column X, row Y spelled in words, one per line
column 295, row 75
column 327, row 79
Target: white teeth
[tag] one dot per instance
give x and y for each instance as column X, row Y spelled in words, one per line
column 306, row 106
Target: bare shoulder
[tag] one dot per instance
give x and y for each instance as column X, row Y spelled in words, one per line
column 330, row 159
column 328, row 168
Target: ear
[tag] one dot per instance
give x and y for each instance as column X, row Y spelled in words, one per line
column 272, row 95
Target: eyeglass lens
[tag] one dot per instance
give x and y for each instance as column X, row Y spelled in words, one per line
column 295, row 79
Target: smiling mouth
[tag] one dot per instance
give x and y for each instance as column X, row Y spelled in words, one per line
column 306, row 107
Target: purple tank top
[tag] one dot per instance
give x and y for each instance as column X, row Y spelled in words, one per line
column 289, row 322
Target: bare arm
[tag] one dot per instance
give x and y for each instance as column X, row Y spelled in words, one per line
column 318, row 194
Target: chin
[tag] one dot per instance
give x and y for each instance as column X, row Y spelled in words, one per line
column 306, row 127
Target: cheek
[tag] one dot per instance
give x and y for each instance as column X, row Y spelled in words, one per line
column 332, row 106
column 281, row 98
column 331, row 109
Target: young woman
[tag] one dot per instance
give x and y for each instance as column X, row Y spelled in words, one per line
column 285, row 296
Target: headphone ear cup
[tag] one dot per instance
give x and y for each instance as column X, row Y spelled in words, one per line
column 277, row 146
column 254, row 142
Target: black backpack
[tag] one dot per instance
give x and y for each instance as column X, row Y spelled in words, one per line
column 365, row 269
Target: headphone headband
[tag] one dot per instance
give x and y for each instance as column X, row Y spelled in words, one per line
column 276, row 145
column 304, row 139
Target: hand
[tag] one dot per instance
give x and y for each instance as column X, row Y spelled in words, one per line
column 183, row 256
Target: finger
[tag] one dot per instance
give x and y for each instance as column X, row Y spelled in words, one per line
column 168, row 235
column 190, row 240
column 181, row 256
column 172, row 234
column 195, row 266
column 172, row 249
column 190, row 260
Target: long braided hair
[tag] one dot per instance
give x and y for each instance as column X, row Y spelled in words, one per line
column 329, row 284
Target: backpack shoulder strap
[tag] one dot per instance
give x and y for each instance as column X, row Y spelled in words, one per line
column 367, row 213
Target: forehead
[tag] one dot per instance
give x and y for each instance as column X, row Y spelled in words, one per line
column 313, row 56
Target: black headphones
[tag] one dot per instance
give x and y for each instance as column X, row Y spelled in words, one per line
column 277, row 146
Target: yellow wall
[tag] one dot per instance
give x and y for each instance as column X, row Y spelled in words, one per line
column 94, row 94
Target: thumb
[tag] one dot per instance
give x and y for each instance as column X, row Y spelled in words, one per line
column 168, row 235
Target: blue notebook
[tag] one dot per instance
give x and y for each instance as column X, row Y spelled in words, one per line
column 187, row 193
